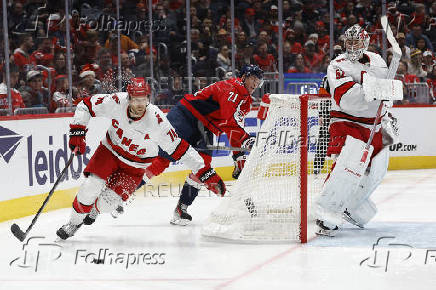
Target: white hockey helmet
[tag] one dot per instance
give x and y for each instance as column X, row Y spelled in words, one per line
column 356, row 42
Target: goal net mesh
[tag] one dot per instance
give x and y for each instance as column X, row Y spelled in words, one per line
column 265, row 202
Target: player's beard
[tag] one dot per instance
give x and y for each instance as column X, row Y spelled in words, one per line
column 137, row 112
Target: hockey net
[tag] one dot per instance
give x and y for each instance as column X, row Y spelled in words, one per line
column 272, row 199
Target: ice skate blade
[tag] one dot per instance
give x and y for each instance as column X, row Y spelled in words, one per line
column 179, row 222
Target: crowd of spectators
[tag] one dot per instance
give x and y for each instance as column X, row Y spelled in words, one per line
column 38, row 40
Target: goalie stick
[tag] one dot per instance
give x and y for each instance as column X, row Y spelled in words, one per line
column 15, row 229
column 392, row 70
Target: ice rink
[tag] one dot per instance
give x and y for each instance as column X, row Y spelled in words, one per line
column 397, row 250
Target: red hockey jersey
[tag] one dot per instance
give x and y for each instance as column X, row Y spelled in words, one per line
column 222, row 107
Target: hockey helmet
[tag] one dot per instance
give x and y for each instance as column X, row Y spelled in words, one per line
column 356, row 42
column 251, row 69
column 137, row 87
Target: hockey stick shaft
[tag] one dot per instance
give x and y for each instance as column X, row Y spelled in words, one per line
column 35, row 218
column 223, row 148
column 392, row 70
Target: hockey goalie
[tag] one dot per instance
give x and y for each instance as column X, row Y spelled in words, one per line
column 359, row 82
column 138, row 130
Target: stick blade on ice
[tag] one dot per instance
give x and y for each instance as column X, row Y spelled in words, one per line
column 18, row 233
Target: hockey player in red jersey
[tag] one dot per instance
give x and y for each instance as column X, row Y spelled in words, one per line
column 137, row 132
column 216, row 109
column 358, row 84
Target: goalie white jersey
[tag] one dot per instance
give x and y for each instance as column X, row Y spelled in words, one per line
column 345, row 81
column 136, row 142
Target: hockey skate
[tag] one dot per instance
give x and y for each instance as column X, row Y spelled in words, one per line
column 90, row 217
column 117, row 212
column 181, row 216
column 68, row 230
column 326, row 231
column 348, row 218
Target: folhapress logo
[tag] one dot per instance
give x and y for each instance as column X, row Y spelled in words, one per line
column 9, row 141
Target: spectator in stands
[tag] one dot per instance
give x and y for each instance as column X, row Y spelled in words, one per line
column 126, row 43
column 34, row 94
column 17, row 100
column 415, row 66
column 407, row 78
column 431, row 82
column 421, row 45
column 311, row 58
column 288, row 56
column 241, row 40
column 428, row 62
column 249, row 24
column 299, row 66
column 221, row 38
column 263, row 59
column 60, row 63
column 401, row 39
column 245, row 56
column 45, row 53
column 22, row 53
column 16, row 17
column 104, row 63
column 414, row 35
column 296, row 47
column 223, row 60
column 60, row 96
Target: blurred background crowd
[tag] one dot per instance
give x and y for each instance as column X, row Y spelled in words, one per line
column 38, row 45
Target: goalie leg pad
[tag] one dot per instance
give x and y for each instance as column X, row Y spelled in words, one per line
column 377, row 171
column 343, row 181
column 364, row 213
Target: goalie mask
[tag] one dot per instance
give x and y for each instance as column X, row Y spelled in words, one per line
column 356, row 42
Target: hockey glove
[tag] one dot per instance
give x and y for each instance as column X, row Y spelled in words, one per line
column 77, row 138
column 239, row 160
column 211, row 180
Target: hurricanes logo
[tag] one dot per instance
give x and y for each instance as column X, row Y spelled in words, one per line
column 9, row 141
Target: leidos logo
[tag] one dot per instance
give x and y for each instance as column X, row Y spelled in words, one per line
column 9, row 141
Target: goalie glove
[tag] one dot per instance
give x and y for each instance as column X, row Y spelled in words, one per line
column 239, row 161
column 77, row 138
column 210, row 179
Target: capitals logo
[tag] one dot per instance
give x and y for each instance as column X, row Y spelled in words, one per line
column 9, row 141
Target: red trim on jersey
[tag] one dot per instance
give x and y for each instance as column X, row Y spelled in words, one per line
column 363, row 120
column 180, row 150
column 121, row 152
column 87, row 102
column 342, row 90
column 80, row 207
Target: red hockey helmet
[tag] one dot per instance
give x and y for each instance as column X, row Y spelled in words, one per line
column 137, row 87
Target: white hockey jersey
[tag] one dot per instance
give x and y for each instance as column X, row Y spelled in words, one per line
column 136, row 142
column 345, row 81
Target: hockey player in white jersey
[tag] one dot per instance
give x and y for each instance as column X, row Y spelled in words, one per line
column 358, row 84
column 124, row 156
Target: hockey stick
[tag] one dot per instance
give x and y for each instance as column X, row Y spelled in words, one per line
column 15, row 229
column 223, row 148
column 392, row 70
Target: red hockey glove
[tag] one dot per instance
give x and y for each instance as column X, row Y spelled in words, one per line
column 239, row 160
column 77, row 138
column 212, row 180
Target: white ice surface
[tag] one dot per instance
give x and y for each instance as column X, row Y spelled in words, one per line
column 406, row 201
